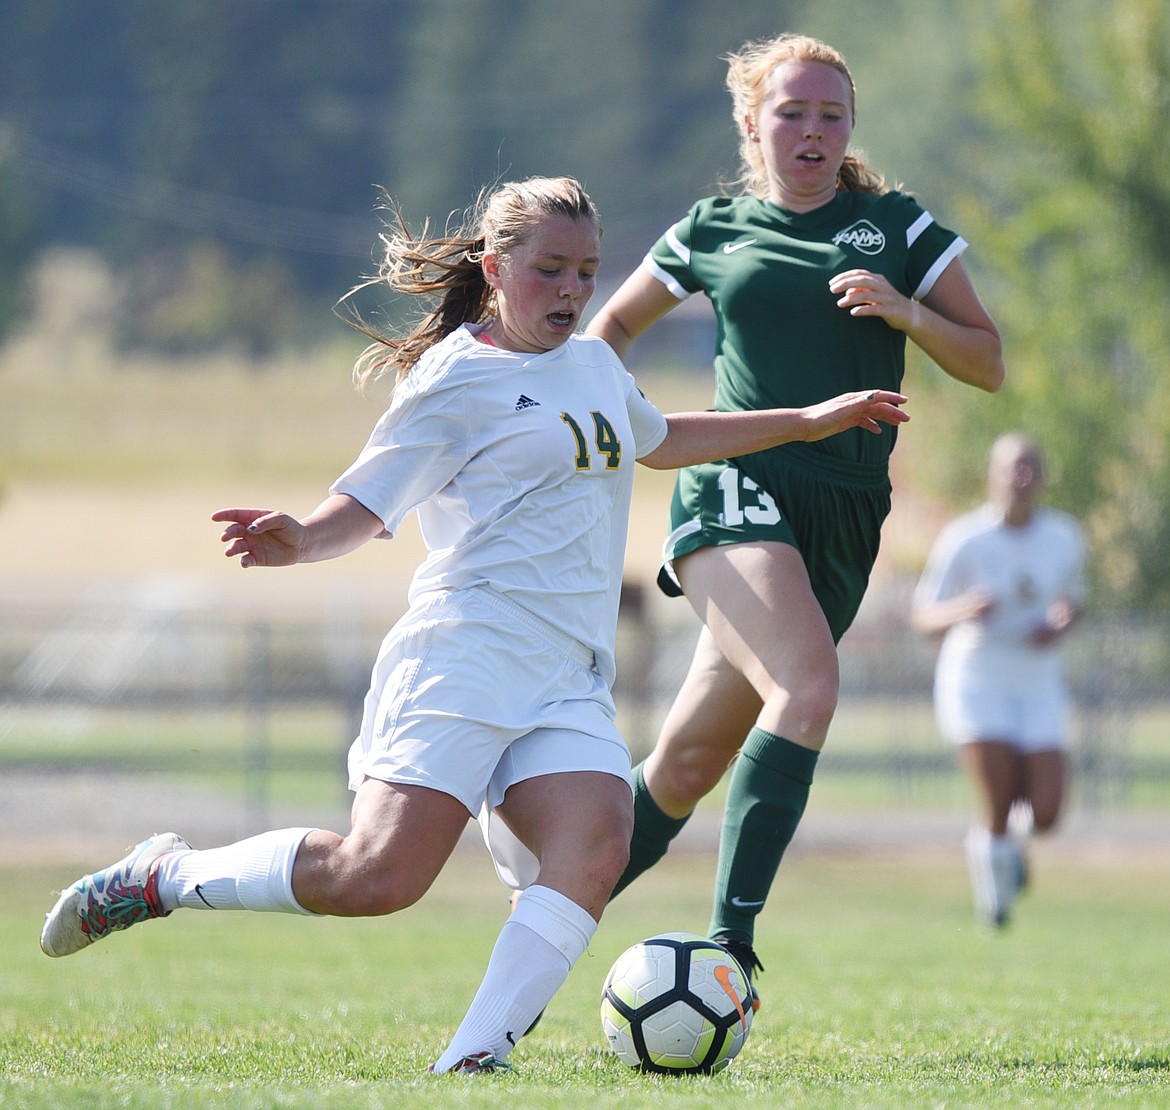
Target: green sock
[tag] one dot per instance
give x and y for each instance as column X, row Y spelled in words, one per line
column 765, row 801
column 653, row 832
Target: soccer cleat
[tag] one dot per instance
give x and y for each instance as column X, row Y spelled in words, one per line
column 114, row 898
column 478, row 1063
column 741, row 950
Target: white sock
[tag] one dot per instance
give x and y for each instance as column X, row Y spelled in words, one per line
column 539, row 943
column 978, row 849
column 252, row 874
column 1021, row 820
column 1004, row 856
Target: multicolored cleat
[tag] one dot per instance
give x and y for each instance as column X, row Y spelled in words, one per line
column 114, row 898
column 478, row 1063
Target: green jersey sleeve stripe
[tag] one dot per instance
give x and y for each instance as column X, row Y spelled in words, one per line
column 663, row 276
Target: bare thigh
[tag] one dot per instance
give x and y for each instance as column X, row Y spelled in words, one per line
column 757, row 602
column 578, row 825
column 1044, row 778
column 996, row 768
column 765, row 657
column 400, row 837
column 711, row 714
column 1004, row 775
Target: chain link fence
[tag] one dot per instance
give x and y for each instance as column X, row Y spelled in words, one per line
column 257, row 711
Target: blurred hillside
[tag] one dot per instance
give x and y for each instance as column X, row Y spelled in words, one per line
column 222, row 158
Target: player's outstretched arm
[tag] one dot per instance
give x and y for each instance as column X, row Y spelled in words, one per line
column 868, row 410
column 697, row 437
column 264, row 538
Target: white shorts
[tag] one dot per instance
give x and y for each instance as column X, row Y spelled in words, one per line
column 470, row 694
column 1022, row 700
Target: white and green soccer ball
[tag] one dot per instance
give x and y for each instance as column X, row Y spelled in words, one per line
column 676, row 1003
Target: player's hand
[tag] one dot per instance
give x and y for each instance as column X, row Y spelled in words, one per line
column 976, row 604
column 1061, row 615
column 261, row 537
column 869, row 410
column 865, row 293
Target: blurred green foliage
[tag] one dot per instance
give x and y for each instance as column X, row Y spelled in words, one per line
column 1069, row 210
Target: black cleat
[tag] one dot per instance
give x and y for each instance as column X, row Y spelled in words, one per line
column 741, row 950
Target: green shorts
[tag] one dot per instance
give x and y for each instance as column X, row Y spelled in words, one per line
column 831, row 510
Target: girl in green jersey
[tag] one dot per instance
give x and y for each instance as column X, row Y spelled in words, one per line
column 817, row 273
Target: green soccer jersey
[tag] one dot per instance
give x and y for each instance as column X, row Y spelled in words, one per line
column 781, row 340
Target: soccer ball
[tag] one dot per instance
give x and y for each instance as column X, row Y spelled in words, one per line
column 676, row 1004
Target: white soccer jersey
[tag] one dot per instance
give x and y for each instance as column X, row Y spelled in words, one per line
column 520, row 467
column 1025, row 569
column 990, row 682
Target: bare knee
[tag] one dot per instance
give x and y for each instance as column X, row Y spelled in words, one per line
column 819, row 700
column 602, row 873
column 681, row 782
column 610, row 859
column 349, row 883
column 804, row 713
column 601, row 849
column 373, row 897
column 378, row 895
column 588, row 870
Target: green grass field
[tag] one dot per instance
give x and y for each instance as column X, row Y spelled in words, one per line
column 881, row 991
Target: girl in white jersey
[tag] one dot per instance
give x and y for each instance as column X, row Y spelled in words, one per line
column 514, row 439
column 1002, row 586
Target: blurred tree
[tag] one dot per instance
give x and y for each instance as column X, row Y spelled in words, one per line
column 629, row 98
column 1070, row 208
column 199, row 298
column 153, row 131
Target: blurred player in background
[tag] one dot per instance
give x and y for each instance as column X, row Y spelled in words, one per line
column 1002, row 586
column 514, row 439
column 817, row 273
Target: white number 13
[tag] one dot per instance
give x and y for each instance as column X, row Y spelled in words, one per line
column 764, row 511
